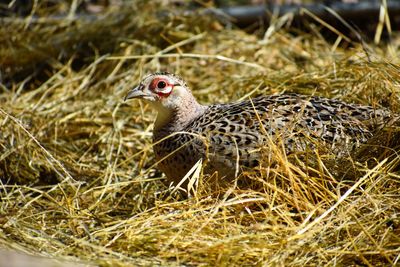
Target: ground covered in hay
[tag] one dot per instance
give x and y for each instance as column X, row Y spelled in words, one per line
column 78, row 177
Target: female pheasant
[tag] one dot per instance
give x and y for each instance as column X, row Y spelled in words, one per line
column 231, row 135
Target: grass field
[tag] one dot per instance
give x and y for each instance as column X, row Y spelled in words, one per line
column 78, row 175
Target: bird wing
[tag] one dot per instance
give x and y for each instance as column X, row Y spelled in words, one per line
column 235, row 132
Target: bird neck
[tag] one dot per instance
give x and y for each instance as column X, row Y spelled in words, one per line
column 170, row 120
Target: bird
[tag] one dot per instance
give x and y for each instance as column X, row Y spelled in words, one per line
column 228, row 137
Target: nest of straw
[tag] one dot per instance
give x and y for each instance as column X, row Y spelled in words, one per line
column 78, row 177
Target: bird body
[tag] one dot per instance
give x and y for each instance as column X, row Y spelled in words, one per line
column 230, row 135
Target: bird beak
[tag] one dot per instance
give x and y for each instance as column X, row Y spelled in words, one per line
column 136, row 92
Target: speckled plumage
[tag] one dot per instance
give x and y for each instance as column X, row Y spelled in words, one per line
column 227, row 134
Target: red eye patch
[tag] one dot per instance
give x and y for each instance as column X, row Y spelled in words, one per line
column 161, row 87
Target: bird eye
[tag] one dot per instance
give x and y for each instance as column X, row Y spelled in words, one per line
column 161, row 85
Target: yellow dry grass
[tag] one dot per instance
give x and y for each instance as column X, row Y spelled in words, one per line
column 78, row 180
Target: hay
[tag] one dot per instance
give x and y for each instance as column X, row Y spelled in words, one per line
column 78, row 180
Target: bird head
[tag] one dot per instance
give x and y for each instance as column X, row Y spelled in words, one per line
column 162, row 89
